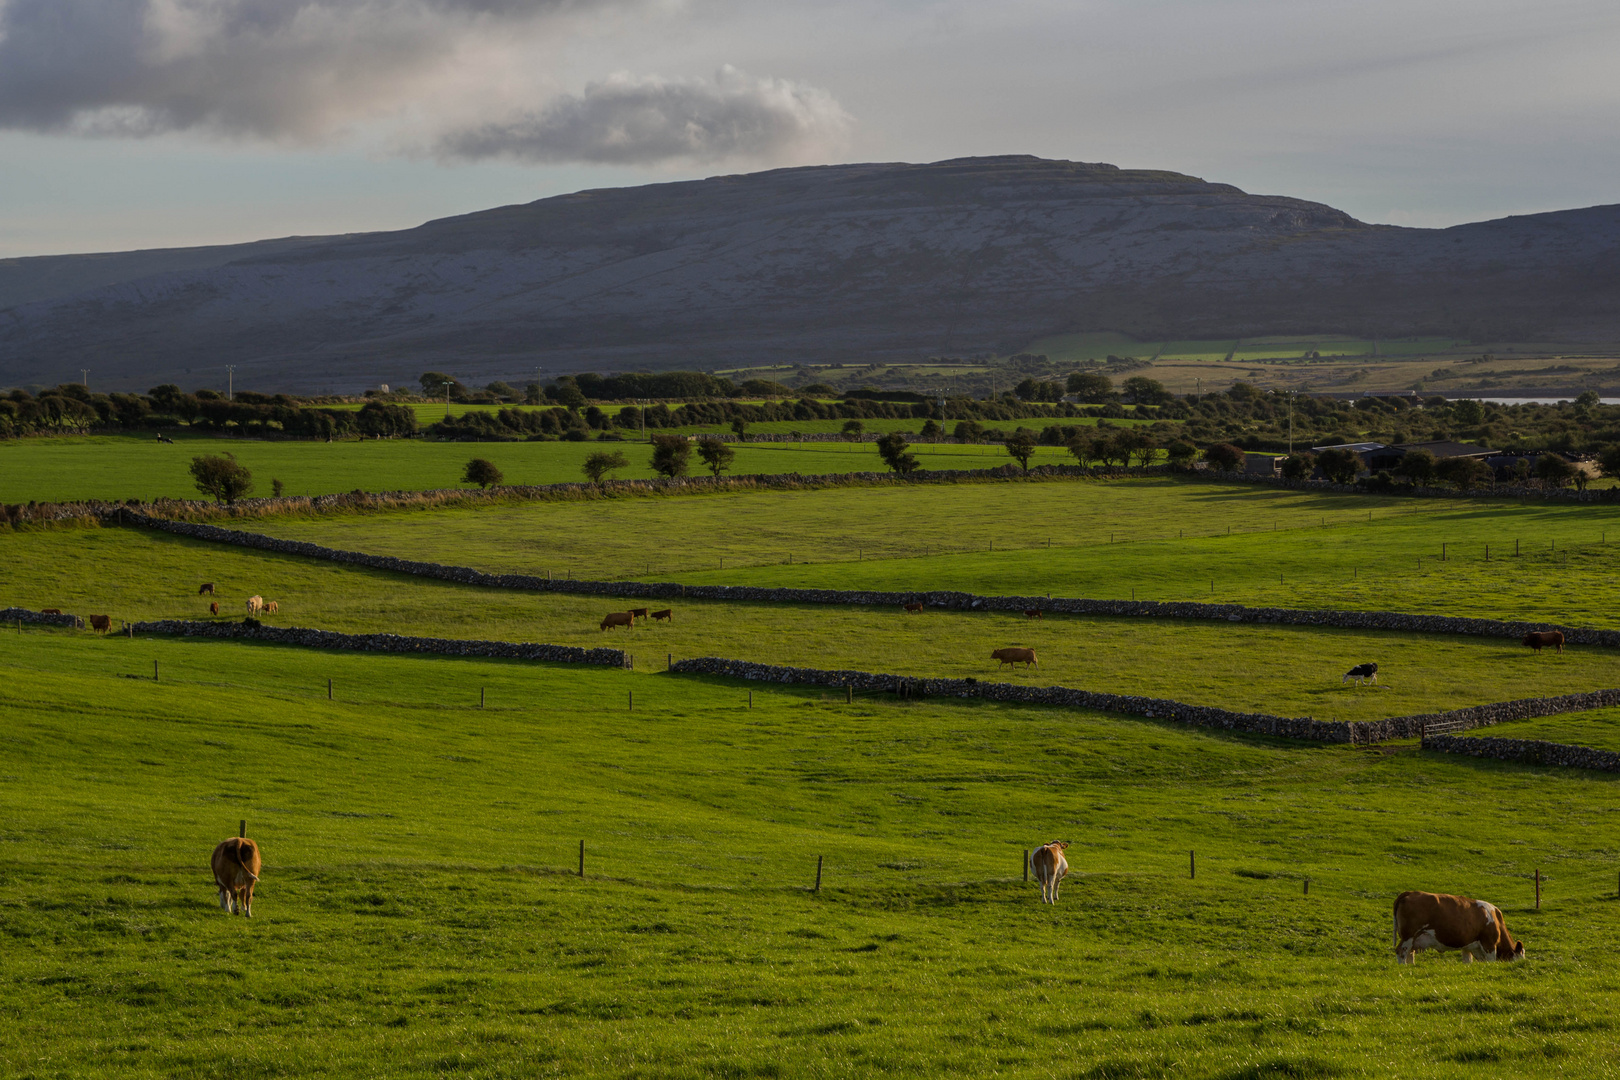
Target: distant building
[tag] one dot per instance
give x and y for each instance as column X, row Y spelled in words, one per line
column 1262, row 464
column 1380, row 456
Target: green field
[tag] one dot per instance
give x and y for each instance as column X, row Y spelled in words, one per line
column 1599, row 728
column 419, row 913
column 129, row 467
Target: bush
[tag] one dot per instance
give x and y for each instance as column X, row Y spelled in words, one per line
column 1020, row 446
column 892, row 448
column 1417, row 466
column 221, row 476
column 1181, row 452
column 1339, row 465
column 1092, row 387
column 716, row 455
column 671, row 453
column 1299, row 466
column 481, row 471
column 598, row 463
column 1224, row 456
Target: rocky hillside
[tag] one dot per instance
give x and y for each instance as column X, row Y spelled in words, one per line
column 825, row 263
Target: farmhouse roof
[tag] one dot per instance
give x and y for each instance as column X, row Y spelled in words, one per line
column 1442, row 448
column 1354, row 447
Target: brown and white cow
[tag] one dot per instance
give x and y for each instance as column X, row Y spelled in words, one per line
column 1446, row 923
column 619, row 618
column 1050, row 869
column 1015, row 656
column 668, row 614
column 1539, row 638
column 236, row 870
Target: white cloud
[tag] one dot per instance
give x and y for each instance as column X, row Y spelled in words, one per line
column 630, row 120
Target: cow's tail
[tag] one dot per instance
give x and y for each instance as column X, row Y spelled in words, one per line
column 237, row 851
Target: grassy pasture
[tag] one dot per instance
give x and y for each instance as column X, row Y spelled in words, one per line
column 131, row 467
column 1599, row 728
column 419, row 915
column 1163, row 537
column 1293, row 671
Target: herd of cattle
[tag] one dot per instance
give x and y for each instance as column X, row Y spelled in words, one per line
column 628, row 619
column 1423, row 920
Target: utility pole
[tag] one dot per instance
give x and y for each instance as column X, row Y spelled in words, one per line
column 641, row 406
column 447, row 398
column 84, row 374
column 230, row 382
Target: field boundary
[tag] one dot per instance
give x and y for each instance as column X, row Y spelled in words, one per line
column 1357, row 732
column 13, row 615
column 1526, row 751
column 386, row 643
column 947, row 600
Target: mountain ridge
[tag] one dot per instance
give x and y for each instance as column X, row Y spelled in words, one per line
column 818, row 263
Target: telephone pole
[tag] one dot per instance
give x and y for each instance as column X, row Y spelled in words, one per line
column 230, row 382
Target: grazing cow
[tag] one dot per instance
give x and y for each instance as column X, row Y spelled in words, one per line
column 1361, row 671
column 207, row 589
column 619, row 618
column 914, row 609
column 101, row 623
column 1015, row 656
column 271, row 606
column 213, row 608
column 50, row 611
column 1539, row 638
column 639, row 613
column 236, row 870
column 1050, row 869
column 1032, row 613
column 667, row 614
column 255, row 604
column 1426, row 920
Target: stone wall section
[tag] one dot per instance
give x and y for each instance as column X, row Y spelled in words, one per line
column 11, row 616
column 1527, row 751
column 388, row 643
column 950, row 601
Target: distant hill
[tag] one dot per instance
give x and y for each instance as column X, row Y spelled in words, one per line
column 842, row 262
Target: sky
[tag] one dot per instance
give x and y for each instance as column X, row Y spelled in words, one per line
column 163, row 123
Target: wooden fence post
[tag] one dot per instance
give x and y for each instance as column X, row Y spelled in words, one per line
column 1307, row 886
column 582, row 858
column 1192, row 864
column 1442, row 551
column 750, row 699
column 818, row 873
column 480, row 697
column 328, row 689
column 154, row 671
column 1026, row 866
column 630, row 701
column 849, row 693
column 1538, row 888
column 241, row 828
column 669, row 662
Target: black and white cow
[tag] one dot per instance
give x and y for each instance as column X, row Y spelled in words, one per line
column 1360, row 672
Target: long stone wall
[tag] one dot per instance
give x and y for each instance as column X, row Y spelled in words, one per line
column 388, row 643
column 1499, row 712
column 11, row 616
column 1527, row 751
column 944, row 600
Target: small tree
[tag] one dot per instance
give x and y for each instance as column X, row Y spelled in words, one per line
column 739, row 427
column 1299, row 466
column 853, row 427
column 1224, row 456
column 1608, row 459
column 1339, row 465
column 221, row 476
column 671, row 453
column 1181, row 452
column 1466, row 473
column 1467, row 411
column 1083, row 447
column 716, row 455
column 1417, row 466
column 1553, row 470
column 1145, row 391
column 1021, row 446
column 1142, row 447
column 931, row 429
column 892, row 448
column 481, row 471
column 277, row 487
column 1092, row 387
column 969, row 431
column 598, row 463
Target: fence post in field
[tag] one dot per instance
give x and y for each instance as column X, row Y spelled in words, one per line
column 818, row 873
column 241, row 829
column 582, row 858
column 849, row 693
column 328, row 689
column 1487, row 553
column 154, row 671
column 750, row 699
column 480, row 697
column 630, row 701
column 1538, row 888
column 1192, row 864
column 669, row 662
column 1026, row 866
column 1515, row 547
column 1307, row 886
column 1442, row 551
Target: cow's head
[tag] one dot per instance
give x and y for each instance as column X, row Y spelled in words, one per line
column 1515, row 953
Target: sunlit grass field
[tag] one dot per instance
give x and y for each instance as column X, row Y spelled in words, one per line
column 117, row 467
column 420, row 915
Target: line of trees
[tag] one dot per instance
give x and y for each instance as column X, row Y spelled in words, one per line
column 72, row 409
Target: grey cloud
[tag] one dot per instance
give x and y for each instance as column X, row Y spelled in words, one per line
column 259, row 67
column 628, row 120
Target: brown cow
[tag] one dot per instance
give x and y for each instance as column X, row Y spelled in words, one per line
column 213, row 608
column 914, row 609
column 619, row 618
column 638, row 613
column 1032, row 613
column 1050, row 869
column 271, row 606
column 207, row 589
column 1537, row 639
column 101, row 623
column 1445, row 923
column 667, row 613
column 1015, row 656
column 255, row 604
column 50, row 611
column 236, row 870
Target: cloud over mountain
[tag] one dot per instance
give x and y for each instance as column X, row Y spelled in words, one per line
column 629, row 120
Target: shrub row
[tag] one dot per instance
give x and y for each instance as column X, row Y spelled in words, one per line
column 956, row 601
column 1528, row 751
column 389, row 643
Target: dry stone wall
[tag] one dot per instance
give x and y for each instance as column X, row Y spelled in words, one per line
column 944, row 600
column 1500, row 712
column 1528, row 751
column 389, row 643
column 11, row 616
